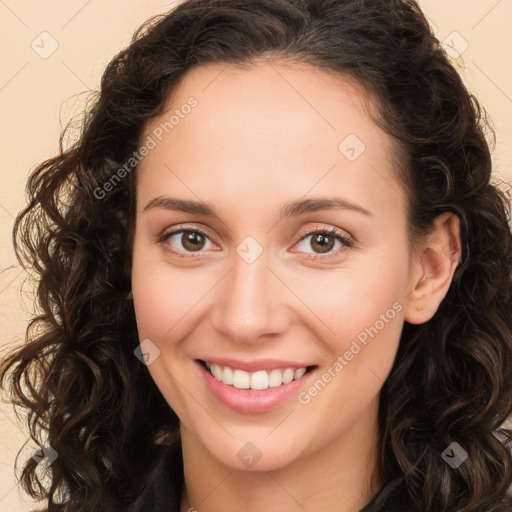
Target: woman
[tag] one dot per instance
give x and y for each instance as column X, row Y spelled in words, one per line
column 274, row 274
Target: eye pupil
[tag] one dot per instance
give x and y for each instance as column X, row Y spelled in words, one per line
column 325, row 242
column 196, row 240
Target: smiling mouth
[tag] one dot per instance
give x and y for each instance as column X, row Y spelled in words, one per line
column 256, row 381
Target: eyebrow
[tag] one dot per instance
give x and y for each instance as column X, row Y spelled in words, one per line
column 290, row 209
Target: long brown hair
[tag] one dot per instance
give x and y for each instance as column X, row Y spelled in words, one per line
column 77, row 374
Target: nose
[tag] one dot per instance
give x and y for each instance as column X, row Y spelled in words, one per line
column 251, row 303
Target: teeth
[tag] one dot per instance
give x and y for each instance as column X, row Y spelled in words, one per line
column 227, row 377
column 299, row 373
column 241, row 379
column 259, row 380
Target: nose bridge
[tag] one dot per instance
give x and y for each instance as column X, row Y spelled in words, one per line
column 249, row 305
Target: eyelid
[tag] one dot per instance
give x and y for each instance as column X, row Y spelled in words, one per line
column 319, row 228
column 166, row 233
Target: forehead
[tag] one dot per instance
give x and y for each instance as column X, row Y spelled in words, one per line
column 280, row 99
column 278, row 123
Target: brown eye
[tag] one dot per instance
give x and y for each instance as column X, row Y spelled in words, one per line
column 186, row 241
column 322, row 243
column 192, row 240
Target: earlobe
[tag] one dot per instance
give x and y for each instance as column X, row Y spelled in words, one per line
column 433, row 269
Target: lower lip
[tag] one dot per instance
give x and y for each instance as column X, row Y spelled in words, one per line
column 250, row 401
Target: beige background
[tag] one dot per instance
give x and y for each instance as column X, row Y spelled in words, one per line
column 38, row 95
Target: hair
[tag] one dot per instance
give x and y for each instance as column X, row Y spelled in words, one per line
column 92, row 400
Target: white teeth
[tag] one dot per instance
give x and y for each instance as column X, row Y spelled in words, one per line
column 275, row 379
column 227, row 376
column 288, row 375
column 259, row 380
column 217, row 371
column 299, row 373
column 241, row 379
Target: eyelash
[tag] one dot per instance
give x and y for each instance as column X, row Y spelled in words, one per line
column 333, row 232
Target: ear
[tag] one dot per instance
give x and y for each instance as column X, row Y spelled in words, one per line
column 432, row 270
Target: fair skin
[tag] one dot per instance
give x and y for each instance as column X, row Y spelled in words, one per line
column 259, row 138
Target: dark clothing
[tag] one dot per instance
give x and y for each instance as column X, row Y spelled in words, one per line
column 163, row 493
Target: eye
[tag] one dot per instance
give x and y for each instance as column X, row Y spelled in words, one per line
column 322, row 242
column 185, row 241
column 182, row 241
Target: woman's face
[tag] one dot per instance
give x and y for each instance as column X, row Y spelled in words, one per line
column 300, row 260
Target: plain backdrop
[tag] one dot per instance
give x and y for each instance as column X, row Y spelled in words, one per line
column 52, row 51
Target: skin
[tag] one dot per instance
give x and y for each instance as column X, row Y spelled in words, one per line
column 258, row 138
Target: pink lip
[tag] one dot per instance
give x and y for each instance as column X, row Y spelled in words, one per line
column 254, row 366
column 249, row 401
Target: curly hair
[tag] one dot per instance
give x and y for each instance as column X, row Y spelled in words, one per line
column 76, row 375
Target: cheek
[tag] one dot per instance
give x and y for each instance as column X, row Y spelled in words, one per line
column 164, row 303
column 161, row 297
column 355, row 303
column 364, row 314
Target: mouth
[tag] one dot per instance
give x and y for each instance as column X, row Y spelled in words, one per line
column 256, row 381
column 254, row 392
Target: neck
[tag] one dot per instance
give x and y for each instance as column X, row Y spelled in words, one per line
column 341, row 476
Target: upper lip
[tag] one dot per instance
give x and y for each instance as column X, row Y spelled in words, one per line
column 255, row 365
